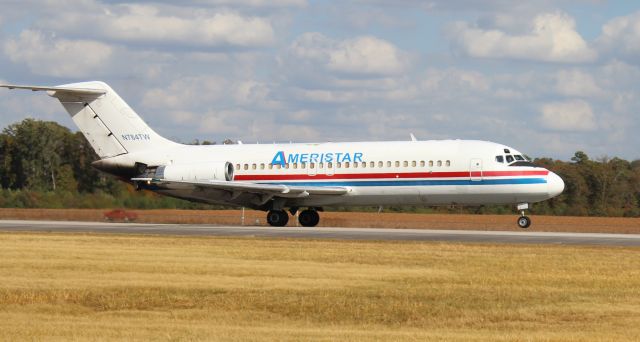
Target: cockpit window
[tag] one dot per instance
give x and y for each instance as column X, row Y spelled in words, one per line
column 518, row 157
column 524, row 163
column 500, row 159
column 509, row 158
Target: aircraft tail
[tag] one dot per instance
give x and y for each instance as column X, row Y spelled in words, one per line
column 109, row 124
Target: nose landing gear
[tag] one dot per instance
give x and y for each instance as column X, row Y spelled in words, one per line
column 523, row 221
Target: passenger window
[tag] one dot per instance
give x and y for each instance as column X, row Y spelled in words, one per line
column 430, row 163
column 388, row 164
column 262, row 166
column 253, row 166
column 339, row 165
column 346, row 165
column 372, row 164
column 295, row 165
column 509, row 158
column 355, row 165
column 237, row 166
column 448, row 163
column 286, row 166
column 321, row 165
column 397, row 163
column 380, row 164
column 278, row 166
column 246, row 166
column 422, row 163
column 312, row 165
column 270, row 166
column 500, row 159
column 413, row 163
column 364, row 164
column 405, row 164
column 329, row 165
column 303, row 165
column 439, row 163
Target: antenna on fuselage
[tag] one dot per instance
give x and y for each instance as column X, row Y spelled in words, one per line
column 413, row 137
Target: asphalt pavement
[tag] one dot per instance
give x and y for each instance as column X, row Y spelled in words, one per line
column 338, row 233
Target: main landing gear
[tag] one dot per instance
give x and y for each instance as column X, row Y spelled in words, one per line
column 523, row 221
column 306, row 218
column 309, row 218
column 277, row 218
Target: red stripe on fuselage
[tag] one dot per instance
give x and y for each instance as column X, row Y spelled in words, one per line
column 390, row 175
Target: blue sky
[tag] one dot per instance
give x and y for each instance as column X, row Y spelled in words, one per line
column 546, row 77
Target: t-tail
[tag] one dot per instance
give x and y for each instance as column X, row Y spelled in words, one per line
column 109, row 124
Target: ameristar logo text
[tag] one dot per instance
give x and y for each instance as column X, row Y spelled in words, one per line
column 281, row 158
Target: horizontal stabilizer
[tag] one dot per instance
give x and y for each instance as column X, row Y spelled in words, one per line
column 68, row 90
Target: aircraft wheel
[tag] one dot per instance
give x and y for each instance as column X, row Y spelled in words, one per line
column 309, row 218
column 524, row 222
column 277, row 218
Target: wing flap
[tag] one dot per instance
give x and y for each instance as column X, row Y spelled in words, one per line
column 270, row 189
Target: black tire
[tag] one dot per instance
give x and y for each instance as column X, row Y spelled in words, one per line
column 524, row 222
column 309, row 218
column 277, row 218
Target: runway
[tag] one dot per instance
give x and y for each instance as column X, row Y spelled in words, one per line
column 502, row 237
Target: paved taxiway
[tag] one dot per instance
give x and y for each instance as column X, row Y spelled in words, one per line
column 531, row 237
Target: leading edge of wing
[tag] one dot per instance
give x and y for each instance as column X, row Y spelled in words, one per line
column 274, row 189
column 69, row 90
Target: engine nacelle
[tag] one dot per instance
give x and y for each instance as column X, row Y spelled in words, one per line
column 196, row 172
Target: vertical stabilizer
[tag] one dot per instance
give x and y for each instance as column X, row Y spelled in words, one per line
column 109, row 124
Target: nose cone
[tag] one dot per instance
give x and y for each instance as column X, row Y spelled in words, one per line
column 555, row 184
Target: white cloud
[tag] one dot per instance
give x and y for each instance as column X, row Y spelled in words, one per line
column 618, row 74
column 253, row 93
column 245, row 3
column 572, row 116
column 258, row 3
column 187, row 92
column 58, row 57
column 363, row 55
column 551, row 38
column 366, row 55
column 576, row 83
column 146, row 24
column 621, row 34
column 457, row 80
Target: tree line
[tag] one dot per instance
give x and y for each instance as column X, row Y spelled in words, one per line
column 45, row 165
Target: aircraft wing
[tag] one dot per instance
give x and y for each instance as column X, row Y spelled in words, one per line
column 53, row 90
column 237, row 188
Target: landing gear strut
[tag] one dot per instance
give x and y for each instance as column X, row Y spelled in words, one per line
column 309, row 218
column 523, row 221
column 277, row 218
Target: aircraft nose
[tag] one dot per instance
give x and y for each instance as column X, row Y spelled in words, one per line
column 555, row 184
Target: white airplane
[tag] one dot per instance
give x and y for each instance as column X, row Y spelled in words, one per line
column 302, row 178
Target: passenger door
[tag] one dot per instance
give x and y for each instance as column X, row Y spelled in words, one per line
column 475, row 170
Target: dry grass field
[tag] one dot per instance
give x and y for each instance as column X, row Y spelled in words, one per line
column 110, row 287
column 348, row 219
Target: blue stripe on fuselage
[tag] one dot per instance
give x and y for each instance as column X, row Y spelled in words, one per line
column 418, row 182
